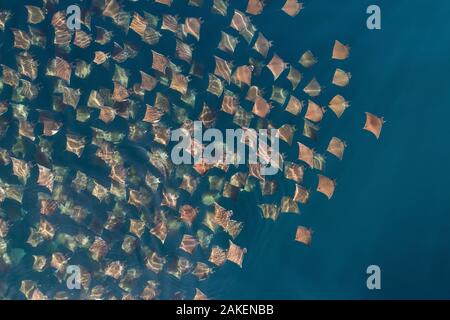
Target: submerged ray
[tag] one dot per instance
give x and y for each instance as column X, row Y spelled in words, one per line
column 374, row 124
column 340, row 51
column 292, row 7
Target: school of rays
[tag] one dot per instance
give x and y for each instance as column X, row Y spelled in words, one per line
column 96, row 162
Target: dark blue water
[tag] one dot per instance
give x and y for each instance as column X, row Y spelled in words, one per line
column 391, row 204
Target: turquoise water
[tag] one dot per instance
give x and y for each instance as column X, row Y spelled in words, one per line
column 391, row 206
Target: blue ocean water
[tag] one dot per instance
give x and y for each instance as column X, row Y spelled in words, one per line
column 391, row 204
column 390, row 207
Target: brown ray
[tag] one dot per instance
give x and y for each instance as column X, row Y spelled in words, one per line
column 313, row 88
column 10, row 76
column 234, row 228
column 21, row 169
column 293, row 171
column 103, row 36
column 239, row 21
column 100, row 57
column 215, row 85
column 292, row 7
column 170, row 23
column 238, row 179
column 22, row 40
column 150, row 292
column 255, row 7
column 59, row 261
column 336, row 147
column 326, row 186
column 26, row 129
column 46, row 229
column 114, row 269
column 374, row 124
column 305, row 154
column 253, row 92
column 40, row 263
column 165, row 2
column 340, row 51
column 294, row 77
column 4, row 157
column 62, row 37
column 107, row 114
column 160, row 231
column 82, row 39
column 46, row 178
column 100, row 192
column 4, row 228
column 301, row 194
column 75, row 144
column 192, row 27
column 278, row 95
column 286, row 132
column 277, row 66
column 223, row 69
column 188, row 243
column 307, row 59
column 201, row 271
column 71, row 96
column 188, row 214
column 220, row 7
column 170, row 199
column 152, row 115
column 294, row 106
column 243, row 75
column 288, row 205
column 179, row 83
column 48, row 207
column 27, row 65
column 59, row 20
column 341, row 78
column 155, row 263
column 262, row 45
column 118, row 173
column 314, row 112
column 183, row 51
column 236, row 254
column 137, row 227
column 222, row 216
column 303, row 235
column 189, row 183
column 60, row 68
column 159, row 62
column 4, row 17
column 148, row 82
column 161, row 134
column 338, row 104
column 120, row 93
column 138, row 24
column 228, row 43
column 269, row 211
column 207, row 116
column 230, row 103
column 98, row 249
column 261, row 107
column 151, row 36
